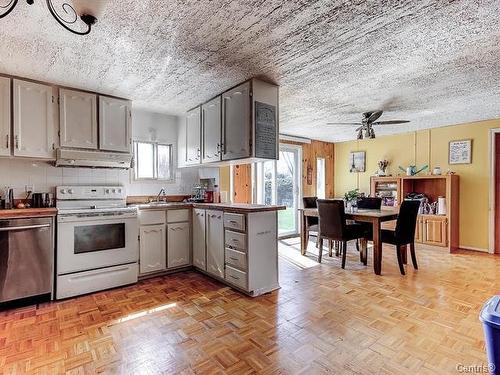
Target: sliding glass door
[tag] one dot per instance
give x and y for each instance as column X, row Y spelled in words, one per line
column 278, row 182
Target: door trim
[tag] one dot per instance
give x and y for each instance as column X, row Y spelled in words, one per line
column 492, row 193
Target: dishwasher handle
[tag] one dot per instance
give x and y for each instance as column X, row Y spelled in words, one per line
column 24, row 227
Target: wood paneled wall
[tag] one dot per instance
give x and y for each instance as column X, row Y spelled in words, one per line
column 310, row 152
column 242, row 180
column 242, row 174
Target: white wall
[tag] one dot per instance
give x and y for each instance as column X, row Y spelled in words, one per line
column 146, row 126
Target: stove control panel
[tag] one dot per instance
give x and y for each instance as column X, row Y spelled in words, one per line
column 90, row 192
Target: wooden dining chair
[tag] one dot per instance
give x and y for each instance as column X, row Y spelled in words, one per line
column 368, row 203
column 404, row 234
column 333, row 226
column 311, row 222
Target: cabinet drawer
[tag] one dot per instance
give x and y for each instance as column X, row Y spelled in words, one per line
column 151, row 217
column 236, row 259
column 175, row 216
column 235, row 240
column 234, row 221
column 236, row 277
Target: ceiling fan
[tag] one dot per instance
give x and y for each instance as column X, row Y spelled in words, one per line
column 366, row 125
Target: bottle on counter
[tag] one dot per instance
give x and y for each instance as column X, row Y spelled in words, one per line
column 216, row 194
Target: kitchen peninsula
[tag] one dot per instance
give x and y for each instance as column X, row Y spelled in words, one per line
column 233, row 243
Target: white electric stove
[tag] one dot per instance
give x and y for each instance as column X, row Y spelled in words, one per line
column 97, row 240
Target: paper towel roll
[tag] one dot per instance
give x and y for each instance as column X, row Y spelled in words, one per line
column 441, row 209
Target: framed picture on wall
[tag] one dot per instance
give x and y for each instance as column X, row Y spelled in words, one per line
column 460, row 152
column 357, row 161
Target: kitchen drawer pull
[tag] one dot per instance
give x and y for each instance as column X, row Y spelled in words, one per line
column 233, row 221
column 262, row 233
column 7, row 229
column 235, row 259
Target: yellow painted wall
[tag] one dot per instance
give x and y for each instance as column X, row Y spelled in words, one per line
column 430, row 147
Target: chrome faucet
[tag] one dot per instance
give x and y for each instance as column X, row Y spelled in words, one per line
column 162, row 191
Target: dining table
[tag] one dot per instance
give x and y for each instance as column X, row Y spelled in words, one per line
column 373, row 217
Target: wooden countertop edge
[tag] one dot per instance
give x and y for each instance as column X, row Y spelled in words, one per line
column 214, row 206
column 20, row 213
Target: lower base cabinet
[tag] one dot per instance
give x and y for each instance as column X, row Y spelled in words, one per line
column 199, row 240
column 215, row 243
column 178, row 245
column 152, row 250
column 432, row 230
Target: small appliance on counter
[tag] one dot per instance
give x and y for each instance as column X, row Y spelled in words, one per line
column 40, row 200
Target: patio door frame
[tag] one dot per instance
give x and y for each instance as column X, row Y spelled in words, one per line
column 297, row 185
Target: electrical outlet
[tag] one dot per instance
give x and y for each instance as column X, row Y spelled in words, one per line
column 29, row 188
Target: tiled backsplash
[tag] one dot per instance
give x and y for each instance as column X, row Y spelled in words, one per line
column 17, row 173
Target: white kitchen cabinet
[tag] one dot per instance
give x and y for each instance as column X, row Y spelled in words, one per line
column 236, row 123
column 77, row 119
column 114, row 124
column 5, row 116
column 199, row 237
column 33, row 120
column 178, row 245
column 211, row 130
column 215, row 242
column 152, row 249
column 193, row 133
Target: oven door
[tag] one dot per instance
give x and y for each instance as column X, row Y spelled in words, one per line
column 96, row 242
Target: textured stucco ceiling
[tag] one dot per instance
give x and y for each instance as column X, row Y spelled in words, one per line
column 432, row 62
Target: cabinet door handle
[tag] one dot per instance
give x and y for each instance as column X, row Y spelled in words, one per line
column 17, row 141
column 7, row 141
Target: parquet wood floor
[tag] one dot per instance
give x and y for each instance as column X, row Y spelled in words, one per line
column 323, row 320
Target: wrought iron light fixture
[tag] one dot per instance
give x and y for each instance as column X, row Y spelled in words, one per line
column 66, row 18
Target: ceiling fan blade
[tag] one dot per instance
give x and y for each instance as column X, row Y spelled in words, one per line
column 390, row 122
column 374, row 116
column 343, row 123
column 358, row 129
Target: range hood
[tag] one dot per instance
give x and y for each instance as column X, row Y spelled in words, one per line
column 92, row 159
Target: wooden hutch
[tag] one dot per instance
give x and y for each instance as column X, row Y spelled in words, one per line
column 432, row 229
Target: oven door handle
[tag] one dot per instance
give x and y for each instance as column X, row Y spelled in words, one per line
column 25, row 227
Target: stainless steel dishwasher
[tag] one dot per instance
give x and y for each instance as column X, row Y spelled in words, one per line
column 26, row 258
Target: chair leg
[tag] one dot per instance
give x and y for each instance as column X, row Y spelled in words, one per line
column 413, row 255
column 320, row 248
column 344, row 253
column 306, row 237
column 330, row 248
column 363, row 254
column 317, row 240
column 400, row 259
column 404, row 252
column 337, row 248
column 357, row 244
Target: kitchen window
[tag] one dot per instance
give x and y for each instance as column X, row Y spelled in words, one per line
column 153, row 161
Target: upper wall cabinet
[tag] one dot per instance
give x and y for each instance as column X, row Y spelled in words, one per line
column 240, row 125
column 78, row 119
column 4, row 116
column 211, row 130
column 193, row 131
column 114, row 124
column 33, row 120
column 236, row 123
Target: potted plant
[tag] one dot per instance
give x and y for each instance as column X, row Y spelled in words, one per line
column 351, row 199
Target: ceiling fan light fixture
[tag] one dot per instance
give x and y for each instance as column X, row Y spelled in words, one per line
column 372, row 133
column 360, row 134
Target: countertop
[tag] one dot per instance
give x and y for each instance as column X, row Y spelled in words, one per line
column 235, row 207
column 19, row 213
